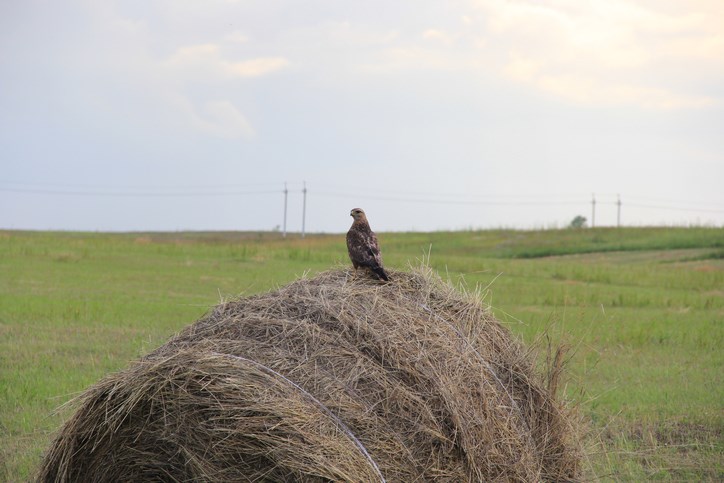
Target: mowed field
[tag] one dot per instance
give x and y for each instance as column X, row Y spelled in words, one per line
column 641, row 309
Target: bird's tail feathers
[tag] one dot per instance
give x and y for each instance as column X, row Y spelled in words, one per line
column 380, row 272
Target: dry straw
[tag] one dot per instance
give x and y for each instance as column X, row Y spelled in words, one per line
column 333, row 378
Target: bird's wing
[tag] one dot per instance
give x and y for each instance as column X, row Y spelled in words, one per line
column 373, row 245
column 363, row 248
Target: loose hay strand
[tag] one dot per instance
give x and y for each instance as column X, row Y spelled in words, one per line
column 316, row 401
column 327, row 360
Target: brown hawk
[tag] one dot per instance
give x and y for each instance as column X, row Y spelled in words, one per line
column 364, row 251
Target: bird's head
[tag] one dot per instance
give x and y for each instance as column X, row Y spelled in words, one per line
column 358, row 214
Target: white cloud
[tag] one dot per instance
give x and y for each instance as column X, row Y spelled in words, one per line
column 437, row 35
column 604, row 52
column 204, row 62
column 255, row 67
column 237, row 37
column 593, row 53
column 218, row 118
column 594, row 92
column 223, row 119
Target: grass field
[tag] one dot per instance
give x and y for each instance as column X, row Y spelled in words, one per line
column 641, row 308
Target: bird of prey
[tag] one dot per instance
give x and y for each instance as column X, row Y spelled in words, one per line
column 362, row 245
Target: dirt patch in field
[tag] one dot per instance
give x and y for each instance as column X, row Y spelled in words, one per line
column 682, row 434
column 707, row 268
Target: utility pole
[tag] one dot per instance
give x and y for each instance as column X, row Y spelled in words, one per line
column 286, row 194
column 304, row 207
column 593, row 210
column 618, row 214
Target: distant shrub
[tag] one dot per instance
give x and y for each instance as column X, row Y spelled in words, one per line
column 578, row 222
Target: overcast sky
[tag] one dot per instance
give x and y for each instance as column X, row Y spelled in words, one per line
column 180, row 114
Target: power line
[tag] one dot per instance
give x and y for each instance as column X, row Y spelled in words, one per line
column 442, row 202
column 136, row 187
column 676, row 208
column 538, row 202
column 139, row 193
column 383, row 195
column 470, row 199
column 398, row 193
column 686, row 202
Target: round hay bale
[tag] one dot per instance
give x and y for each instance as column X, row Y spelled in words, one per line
column 333, row 378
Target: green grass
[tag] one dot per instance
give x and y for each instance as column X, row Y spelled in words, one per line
column 641, row 308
